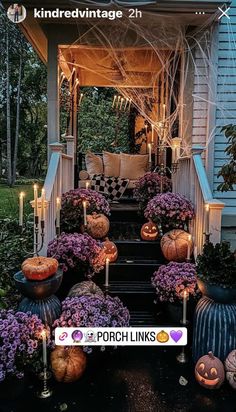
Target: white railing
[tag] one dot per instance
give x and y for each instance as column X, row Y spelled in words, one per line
column 59, row 179
column 191, row 180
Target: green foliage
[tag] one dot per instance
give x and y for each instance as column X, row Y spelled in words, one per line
column 100, row 126
column 13, row 246
column 228, row 170
column 217, row 265
column 9, row 200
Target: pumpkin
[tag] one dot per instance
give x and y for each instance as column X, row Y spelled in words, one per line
column 39, row 268
column 162, row 336
column 149, row 231
column 68, row 363
column 230, row 368
column 87, row 288
column 174, row 245
column 97, row 225
column 209, row 371
column 110, row 249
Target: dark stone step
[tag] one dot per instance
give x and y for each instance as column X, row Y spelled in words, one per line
column 142, row 318
column 140, row 248
column 128, row 269
column 124, row 230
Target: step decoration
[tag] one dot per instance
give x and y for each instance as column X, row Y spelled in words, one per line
column 177, row 245
column 149, row 231
column 209, row 371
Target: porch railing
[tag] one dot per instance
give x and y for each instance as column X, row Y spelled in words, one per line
column 59, row 179
column 191, row 180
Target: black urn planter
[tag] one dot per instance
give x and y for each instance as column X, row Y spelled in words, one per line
column 217, row 293
column 174, row 311
column 39, row 296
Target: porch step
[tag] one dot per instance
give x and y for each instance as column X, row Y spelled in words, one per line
column 140, row 249
column 143, row 318
column 126, row 268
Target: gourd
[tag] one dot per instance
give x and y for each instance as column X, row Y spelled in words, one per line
column 39, row 267
column 87, row 288
column 68, row 363
column 174, row 245
column 230, row 368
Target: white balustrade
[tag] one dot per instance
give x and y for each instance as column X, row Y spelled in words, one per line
column 191, row 181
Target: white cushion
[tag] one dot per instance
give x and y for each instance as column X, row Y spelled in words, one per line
column 133, row 166
column 111, row 163
column 94, row 164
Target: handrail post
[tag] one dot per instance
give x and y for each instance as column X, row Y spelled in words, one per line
column 70, row 149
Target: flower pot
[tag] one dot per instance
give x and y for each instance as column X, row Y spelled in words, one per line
column 38, row 289
column 48, row 309
column 217, row 293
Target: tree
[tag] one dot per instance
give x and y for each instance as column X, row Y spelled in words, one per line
column 228, row 170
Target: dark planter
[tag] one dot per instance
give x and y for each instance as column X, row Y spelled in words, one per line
column 48, row 310
column 174, row 311
column 38, row 289
column 217, row 293
column 214, row 328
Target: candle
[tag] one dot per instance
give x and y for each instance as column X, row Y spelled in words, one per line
column 80, row 98
column 185, row 297
column 207, row 227
column 21, row 209
column 87, row 184
column 149, row 152
column 35, row 200
column 121, row 102
column 118, row 101
column 164, row 113
column 130, row 101
column 152, row 133
column 126, row 104
column 43, row 204
column 189, row 247
column 114, row 100
column 85, row 213
column 44, row 338
column 58, row 209
column 107, row 272
column 146, row 126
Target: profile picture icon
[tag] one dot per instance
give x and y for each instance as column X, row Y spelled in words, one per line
column 16, row 13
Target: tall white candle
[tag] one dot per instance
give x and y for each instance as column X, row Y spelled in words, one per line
column 80, row 98
column 207, row 228
column 189, row 246
column 164, row 113
column 87, row 184
column 118, row 102
column 121, row 102
column 44, row 339
column 185, row 297
column 35, row 200
column 58, row 209
column 152, row 133
column 21, row 208
column 107, row 272
column 85, row 212
column 130, row 101
column 114, row 100
column 149, row 152
column 126, row 104
column 43, row 204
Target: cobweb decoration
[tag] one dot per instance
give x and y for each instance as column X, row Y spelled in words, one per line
column 153, row 61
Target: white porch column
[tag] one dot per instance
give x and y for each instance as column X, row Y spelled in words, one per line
column 70, row 150
column 53, row 94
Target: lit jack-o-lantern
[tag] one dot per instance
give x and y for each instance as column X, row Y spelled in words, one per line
column 149, row 231
column 230, row 367
column 162, row 336
column 110, row 250
column 209, row 371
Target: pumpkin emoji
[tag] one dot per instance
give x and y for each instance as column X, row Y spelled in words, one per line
column 110, row 249
column 230, row 368
column 209, row 371
column 68, row 363
column 149, row 231
column 162, row 337
column 39, row 267
column 97, row 225
column 174, row 245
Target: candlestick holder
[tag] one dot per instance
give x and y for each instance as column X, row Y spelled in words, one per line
column 207, row 237
column 182, row 357
column 45, row 391
column 106, row 290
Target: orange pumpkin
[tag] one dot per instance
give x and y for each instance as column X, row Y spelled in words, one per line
column 230, row 368
column 110, row 249
column 39, row 268
column 97, row 225
column 68, row 363
column 209, row 371
column 174, row 245
column 149, row 231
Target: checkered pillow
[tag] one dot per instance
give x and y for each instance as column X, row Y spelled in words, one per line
column 112, row 187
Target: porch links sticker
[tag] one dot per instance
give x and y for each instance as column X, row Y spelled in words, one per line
column 162, row 336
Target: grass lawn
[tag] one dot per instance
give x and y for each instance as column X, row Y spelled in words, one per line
column 9, row 200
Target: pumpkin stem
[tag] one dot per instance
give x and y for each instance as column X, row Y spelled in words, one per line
column 211, row 355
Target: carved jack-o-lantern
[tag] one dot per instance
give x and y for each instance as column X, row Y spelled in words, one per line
column 110, row 250
column 149, row 231
column 162, row 336
column 230, row 367
column 209, row 371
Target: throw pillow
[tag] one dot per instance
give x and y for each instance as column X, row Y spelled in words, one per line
column 111, row 163
column 133, row 166
column 94, row 164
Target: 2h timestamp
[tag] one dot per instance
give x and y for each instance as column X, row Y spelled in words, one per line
column 135, row 14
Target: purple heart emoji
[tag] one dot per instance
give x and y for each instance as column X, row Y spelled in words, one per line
column 176, row 335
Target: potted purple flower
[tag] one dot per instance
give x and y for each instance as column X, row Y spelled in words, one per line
column 20, row 348
column 79, row 256
column 149, row 186
column 170, row 210
column 72, row 207
column 170, row 281
column 93, row 311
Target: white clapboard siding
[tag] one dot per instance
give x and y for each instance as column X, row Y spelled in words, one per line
column 225, row 102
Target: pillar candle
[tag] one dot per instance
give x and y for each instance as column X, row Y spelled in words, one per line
column 85, row 212
column 58, row 209
column 21, row 208
column 149, row 152
column 80, row 98
column 185, row 297
column 44, row 338
column 87, row 184
column 35, row 200
column 107, row 272
column 189, row 247
column 207, row 228
column 43, row 204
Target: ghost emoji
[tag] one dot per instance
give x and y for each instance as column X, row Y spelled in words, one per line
column 90, row 336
